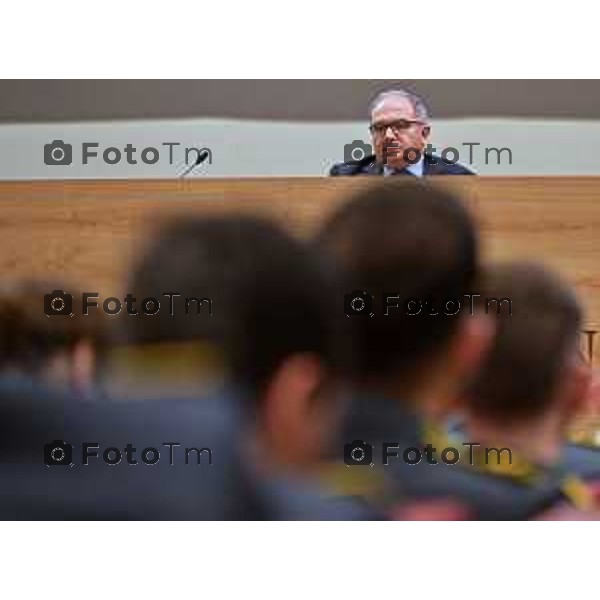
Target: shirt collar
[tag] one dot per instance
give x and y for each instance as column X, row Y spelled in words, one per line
column 415, row 169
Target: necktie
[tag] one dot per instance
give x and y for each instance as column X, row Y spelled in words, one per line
column 394, row 172
column 401, row 172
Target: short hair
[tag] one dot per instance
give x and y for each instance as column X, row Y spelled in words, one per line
column 421, row 110
column 29, row 337
column 199, row 258
column 408, row 238
column 519, row 375
column 289, row 307
column 273, row 296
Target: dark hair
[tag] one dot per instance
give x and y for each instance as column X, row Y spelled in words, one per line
column 29, row 338
column 406, row 238
column 272, row 295
column 520, row 373
column 196, row 258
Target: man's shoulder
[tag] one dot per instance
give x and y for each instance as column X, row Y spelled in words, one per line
column 487, row 495
column 433, row 165
column 365, row 166
column 583, row 461
column 436, row 165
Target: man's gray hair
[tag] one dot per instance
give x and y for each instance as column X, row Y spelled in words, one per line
column 421, row 110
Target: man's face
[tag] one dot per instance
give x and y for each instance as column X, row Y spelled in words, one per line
column 394, row 122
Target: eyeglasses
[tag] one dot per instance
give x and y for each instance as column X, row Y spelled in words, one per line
column 396, row 126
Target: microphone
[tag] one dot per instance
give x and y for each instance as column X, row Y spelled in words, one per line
column 202, row 156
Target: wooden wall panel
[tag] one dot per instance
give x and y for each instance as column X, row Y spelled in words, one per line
column 87, row 232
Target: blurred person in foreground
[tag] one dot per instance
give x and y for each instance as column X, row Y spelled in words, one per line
column 532, row 385
column 274, row 326
column 584, row 436
column 52, row 356
column 63, row 351
column 400, row 129
column 249, row 385
column 406, row 249
column 50, row 360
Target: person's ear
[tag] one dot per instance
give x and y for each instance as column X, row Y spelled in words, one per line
column 83, row 366
column 426, row 131
column 468, row 349
column 290, row 397
column 578, row 382
column 592, row 404
column 472, row 342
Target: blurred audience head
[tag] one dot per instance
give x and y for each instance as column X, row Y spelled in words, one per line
column 273, row 319
column 64, row 352
column 412, row 248
column 191, row 267
column 535, row 367
column 288, row 351
column 197, row 261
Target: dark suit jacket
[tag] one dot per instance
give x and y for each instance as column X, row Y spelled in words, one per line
column 583, row 461
column 369, row 166
column 377, row 420
column 32, row 417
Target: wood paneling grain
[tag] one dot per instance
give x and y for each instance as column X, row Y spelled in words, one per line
column 88, row 232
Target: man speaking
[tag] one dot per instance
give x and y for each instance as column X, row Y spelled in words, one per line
column 400, row 129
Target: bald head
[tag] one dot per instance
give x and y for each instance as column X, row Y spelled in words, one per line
column 400, row 98
column 399, row 127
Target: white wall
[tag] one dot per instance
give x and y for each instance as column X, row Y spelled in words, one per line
column 263, row 148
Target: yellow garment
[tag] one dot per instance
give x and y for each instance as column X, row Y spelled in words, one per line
column 575, row 490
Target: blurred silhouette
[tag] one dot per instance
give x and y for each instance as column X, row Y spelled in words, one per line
column 63, row 351
column 400, row 242
column 274, row 325
column 36, row 483
column 49, row 365
column 585, row 431
column 254, row 361
column 261, row 426
column 531, row 386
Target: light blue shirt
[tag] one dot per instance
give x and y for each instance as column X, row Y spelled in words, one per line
column 416, row 169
